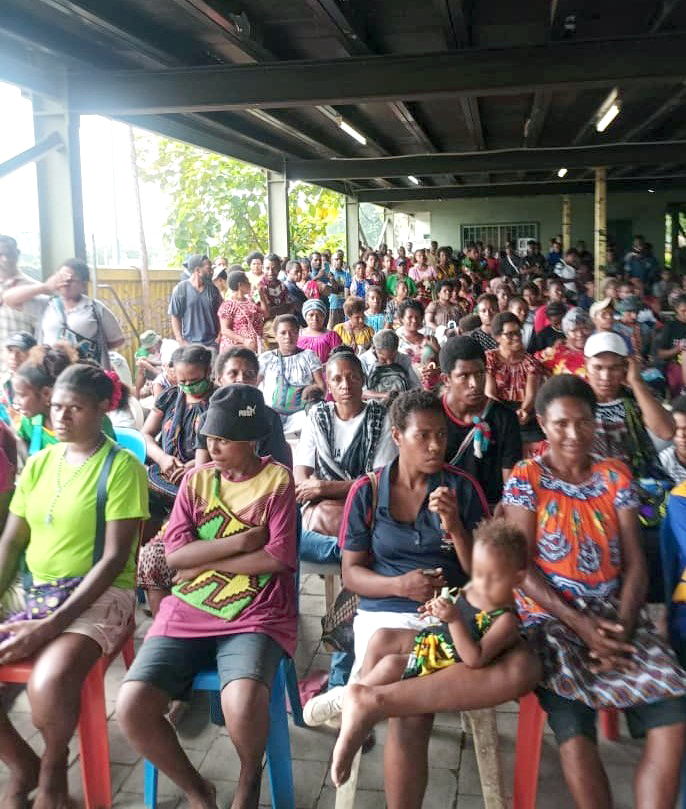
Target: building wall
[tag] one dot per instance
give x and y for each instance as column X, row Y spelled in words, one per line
column 646, row 212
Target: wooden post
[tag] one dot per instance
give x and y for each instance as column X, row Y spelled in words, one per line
column 600, row 230
column 566, row 223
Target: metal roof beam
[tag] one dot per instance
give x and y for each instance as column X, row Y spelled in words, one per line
column 368, row 79
column 611, row 154
column 33, row 154
column 536, row 188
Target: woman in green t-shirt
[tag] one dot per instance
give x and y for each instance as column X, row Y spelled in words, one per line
column 82, row 600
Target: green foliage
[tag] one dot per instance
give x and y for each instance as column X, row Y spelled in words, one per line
column 314, row 214
column 217, row 203
column 220, row 204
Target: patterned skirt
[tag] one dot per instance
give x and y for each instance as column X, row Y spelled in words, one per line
column 153, row 572
column 566, row 663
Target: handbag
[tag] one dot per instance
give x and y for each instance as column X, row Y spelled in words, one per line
column 87, row 349
column 287, row 398
column 324, row 517
column 43, row 599
column 337, row 623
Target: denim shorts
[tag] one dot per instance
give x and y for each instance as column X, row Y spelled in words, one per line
column 569, row 718
column 170, row 664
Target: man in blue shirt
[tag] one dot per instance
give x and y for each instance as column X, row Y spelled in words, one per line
column 641, row 263
column 194, row 305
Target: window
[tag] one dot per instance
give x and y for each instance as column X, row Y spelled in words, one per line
column 516, row 232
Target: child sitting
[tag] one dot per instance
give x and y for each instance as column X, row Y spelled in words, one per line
column 374, row 315
column 167, row 376
column 231, row 538
column 477, row 625
column 147, row 361
column 355, row 332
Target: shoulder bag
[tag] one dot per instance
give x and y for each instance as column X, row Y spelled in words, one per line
column 337, row 624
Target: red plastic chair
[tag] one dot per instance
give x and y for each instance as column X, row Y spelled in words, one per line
column 528, row 751
column 94, row 748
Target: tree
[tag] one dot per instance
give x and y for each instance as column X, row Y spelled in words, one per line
column 313, row 214
column 219, row 204
column 145, row 275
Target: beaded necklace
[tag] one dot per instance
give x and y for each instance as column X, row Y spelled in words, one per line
column 61, row 486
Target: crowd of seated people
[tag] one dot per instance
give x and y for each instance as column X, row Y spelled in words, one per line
column 481, row 441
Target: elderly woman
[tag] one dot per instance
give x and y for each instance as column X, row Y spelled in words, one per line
column 568, row 357
column 387, row 370
column 582, row 604
column 81, row 602
column 417, row 540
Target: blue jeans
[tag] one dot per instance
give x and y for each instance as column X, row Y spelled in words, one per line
column 322, row 549
column 319, row 548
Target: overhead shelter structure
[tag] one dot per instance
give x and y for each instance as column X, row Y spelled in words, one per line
column 414, row 106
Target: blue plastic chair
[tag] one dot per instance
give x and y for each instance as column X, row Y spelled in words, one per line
column 133, row 440
column 278, row 749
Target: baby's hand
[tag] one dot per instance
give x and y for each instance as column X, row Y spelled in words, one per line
column 441, row 608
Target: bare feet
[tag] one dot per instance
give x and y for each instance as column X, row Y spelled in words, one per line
column 361, row 711
column 20, row 785
column 206, row 797
column 51, row 800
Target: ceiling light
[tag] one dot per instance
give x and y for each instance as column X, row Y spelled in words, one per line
column 651, row 190
column 608, row 111
column 413, row 179
column 350, row 130
column 561, row 172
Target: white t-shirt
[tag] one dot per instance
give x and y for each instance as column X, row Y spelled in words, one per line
column 343, row 434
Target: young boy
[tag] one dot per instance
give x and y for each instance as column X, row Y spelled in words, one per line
column 231, row 538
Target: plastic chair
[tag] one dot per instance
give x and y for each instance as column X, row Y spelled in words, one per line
column 133, row 440
column 94, row 748
column 278, row 751
column 528, row 750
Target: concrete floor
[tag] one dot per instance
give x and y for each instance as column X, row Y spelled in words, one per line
column 454, row 778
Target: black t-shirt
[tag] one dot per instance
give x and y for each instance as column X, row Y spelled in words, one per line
column 190, row 422
column 545, row 338
column 672, row 332
column 504, row 448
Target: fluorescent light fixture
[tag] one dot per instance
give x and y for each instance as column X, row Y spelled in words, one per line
column 413, row 179
column 608, row 111
column 562, row 172
column 350, row 130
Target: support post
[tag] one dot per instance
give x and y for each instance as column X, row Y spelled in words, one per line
column 60, row 196
column 600, row 229
column 277, row 214
column 566, row 223
column 352, row 230
column 673, row 211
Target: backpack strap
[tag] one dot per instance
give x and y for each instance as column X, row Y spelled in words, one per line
column 374, row 483
column 100, row 502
